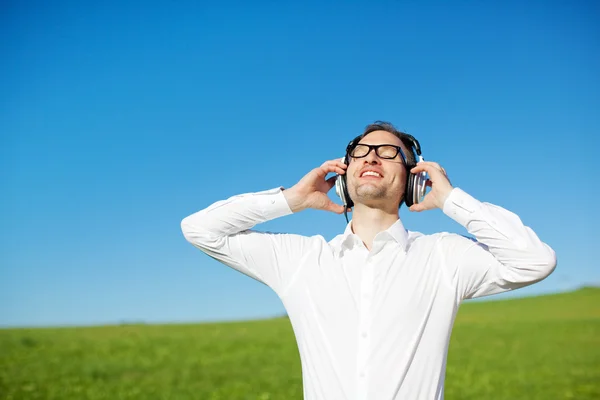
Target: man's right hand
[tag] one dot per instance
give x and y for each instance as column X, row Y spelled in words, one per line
column 311, row 191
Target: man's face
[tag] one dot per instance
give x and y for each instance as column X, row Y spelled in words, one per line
column 375, row 181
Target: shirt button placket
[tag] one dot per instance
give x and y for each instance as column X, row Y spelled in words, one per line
column 364, row 329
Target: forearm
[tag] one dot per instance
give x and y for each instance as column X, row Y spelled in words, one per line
column 234, row 215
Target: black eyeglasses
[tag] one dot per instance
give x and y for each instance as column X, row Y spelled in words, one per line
column 385, row 151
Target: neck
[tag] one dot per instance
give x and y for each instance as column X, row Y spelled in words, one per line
column 367, row 222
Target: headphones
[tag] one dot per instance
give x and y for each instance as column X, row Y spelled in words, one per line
column 416, row 184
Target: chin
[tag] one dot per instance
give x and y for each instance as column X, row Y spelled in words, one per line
column 370, row 199
column 375, row 197
column 371, row 191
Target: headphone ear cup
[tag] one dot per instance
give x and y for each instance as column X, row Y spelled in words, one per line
column 346, row 199
column 410, row 189
column 341, row 188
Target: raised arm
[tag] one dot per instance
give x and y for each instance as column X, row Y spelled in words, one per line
column 504, row 254
column 224, row 230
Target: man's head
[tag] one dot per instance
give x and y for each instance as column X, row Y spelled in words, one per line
column 376, row 176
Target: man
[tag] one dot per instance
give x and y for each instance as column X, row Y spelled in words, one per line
column 373, row 309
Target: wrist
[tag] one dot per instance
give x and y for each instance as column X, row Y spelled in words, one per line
column 444, row 197
column 294, row 200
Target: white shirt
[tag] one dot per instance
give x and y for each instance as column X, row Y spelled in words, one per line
column 373, row 325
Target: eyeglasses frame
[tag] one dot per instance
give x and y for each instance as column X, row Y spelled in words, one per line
column 376, row 148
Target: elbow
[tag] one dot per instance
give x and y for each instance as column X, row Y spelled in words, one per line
column 186, row 228
column 545, row 263
column 196, row 231
column 191, row 229
column 533, row 268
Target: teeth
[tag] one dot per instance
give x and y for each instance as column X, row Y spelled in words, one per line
column 372, row 173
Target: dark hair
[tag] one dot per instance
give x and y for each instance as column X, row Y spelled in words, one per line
column 408, row 141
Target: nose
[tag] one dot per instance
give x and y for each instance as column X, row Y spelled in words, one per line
column 372, row 158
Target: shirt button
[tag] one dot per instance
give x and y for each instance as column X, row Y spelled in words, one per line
column 362, row 374
column 364, row 334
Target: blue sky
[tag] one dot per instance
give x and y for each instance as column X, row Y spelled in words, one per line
column 117, row 121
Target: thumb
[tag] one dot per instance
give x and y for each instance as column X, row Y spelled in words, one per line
column 336, row 208
column 417, row 207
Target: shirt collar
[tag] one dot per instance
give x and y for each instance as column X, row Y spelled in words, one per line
column 395, row 232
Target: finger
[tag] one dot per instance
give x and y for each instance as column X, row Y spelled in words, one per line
column 431, row 169
column 421, row 168
column 416, row 208
column 337, row 163
column 419, row 207
column 327, row 168
column 432, row 163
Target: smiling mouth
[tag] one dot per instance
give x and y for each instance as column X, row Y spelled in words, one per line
column 370, row 174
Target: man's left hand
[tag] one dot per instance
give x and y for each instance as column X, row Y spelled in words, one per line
column 439, row 183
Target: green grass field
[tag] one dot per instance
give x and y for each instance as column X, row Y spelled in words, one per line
column 544, row 347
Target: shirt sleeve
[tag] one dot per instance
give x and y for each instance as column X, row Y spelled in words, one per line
column 224, row 232
column 503, row 255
